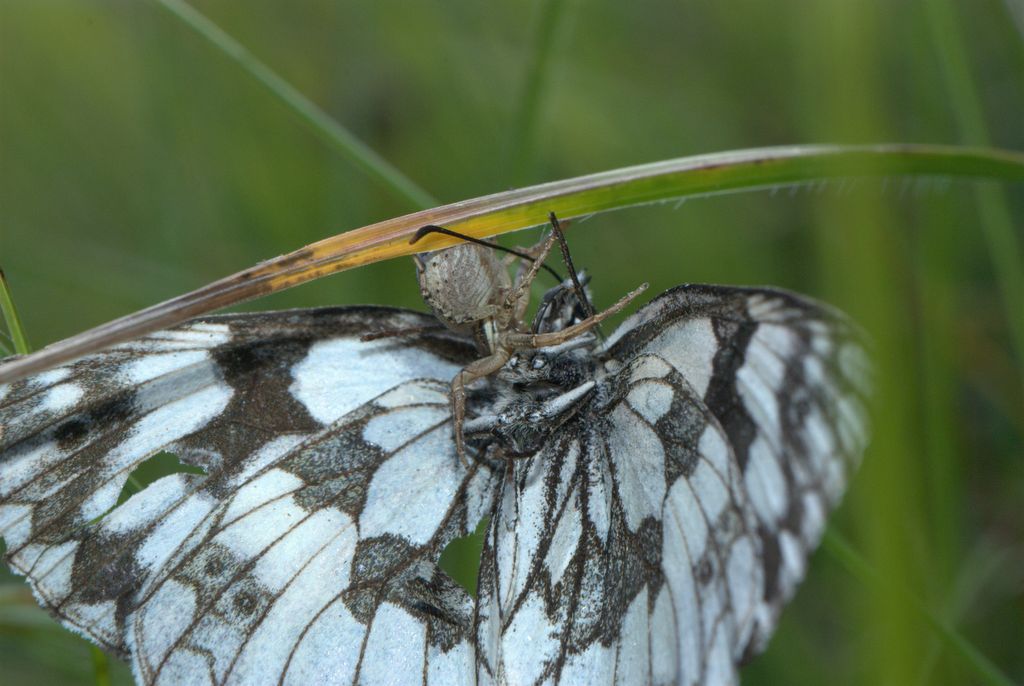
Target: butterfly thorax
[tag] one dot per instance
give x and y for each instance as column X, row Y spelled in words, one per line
column 465, row 286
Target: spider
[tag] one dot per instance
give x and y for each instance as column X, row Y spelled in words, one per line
column 470, row 291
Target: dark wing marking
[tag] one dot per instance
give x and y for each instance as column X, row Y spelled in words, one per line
column 658, row 534
column 306, row 552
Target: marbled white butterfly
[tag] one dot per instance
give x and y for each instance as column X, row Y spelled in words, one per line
column 652, row 496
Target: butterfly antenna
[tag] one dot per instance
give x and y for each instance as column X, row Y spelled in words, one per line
column 430, row 228
column 581, row 295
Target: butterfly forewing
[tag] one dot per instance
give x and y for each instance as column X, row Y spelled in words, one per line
column 658, row 533
column 306, row 552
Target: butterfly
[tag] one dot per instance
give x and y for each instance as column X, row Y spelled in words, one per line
column 651, row 497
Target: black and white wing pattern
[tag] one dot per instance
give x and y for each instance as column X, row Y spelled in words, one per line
column 305, row 553
column 656, row 534
column 658, row 498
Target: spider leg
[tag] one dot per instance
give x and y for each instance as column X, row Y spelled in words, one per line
column 518, row 340
column 479, row 369
column 537, row 248
column 518, row 298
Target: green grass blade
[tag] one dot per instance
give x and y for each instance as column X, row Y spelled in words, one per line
column 491, row 215
column 11, row 318
column 522, row 144
column 1016, row 12
column 100, row 667
column 100, row 661
column 340, row 138
column 984, row 566
column 997, row 226
column 838, row 547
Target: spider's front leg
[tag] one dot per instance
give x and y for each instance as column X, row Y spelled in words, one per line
column 517, row 300
column 479, row 369
column 518, row 340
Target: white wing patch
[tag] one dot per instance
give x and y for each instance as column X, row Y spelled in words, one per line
column 366, row 369
column 690, row 348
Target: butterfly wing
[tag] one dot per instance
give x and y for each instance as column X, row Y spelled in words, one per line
column 310, row 541
column 656, row 536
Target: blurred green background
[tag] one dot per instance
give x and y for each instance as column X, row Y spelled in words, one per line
column 137, row 162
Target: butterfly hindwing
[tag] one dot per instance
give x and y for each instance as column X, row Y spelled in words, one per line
column 305, row 553
column 600, row 516
column 658, row 533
